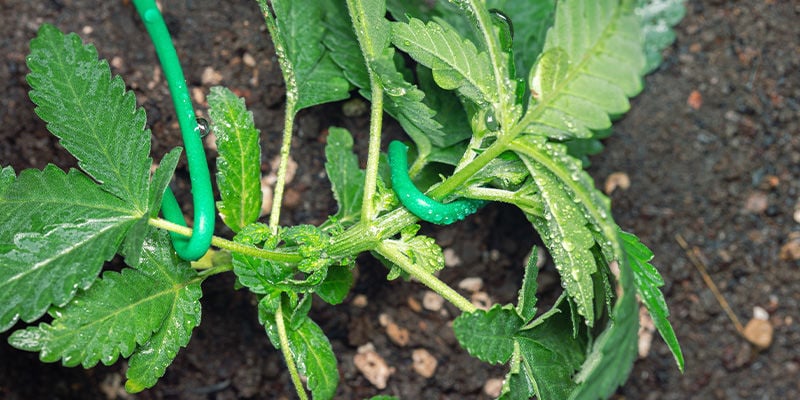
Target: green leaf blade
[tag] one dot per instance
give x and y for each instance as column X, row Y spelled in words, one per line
column 593, row 61
column 568, row 239
column 648, row 281
column 658, row 17
column 239, row 162
column 455, row 62
column 61, row 228
column 117, row 314
column 315, row 358
column 346, row 177
column 311, row 76
column 150, row 360
column 488, row 335
column 93, row 115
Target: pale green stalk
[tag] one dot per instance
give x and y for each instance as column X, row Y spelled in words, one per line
column 426, row 278
column 287, row 354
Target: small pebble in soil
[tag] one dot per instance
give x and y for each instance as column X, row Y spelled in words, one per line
column 432, row 301
column 210, row 77
column 756, row 202
column 424, row 363
column 372, row 366
column 493, row 387
column 481, row 300
column 695, row 100
column 359, row 301
column 266, row 197
column 646, row 330
column 759, row 330
column 249, row 60
column 413, row 304
column 616, row 180
column 397, row 334
column 791, row 249
column 451, row 258
column 471, row 284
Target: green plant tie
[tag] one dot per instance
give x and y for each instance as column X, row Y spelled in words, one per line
column 197, row 245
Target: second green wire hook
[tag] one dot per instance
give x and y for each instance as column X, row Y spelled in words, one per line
column 203, row 197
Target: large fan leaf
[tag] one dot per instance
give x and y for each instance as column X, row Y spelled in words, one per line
column 297, row 31
column 456, row 63
column 592, row 62
column 239, row 162
column 149, row 361
column 94, row 116
column 59, row 229
column 568, row 238
column 118, row 313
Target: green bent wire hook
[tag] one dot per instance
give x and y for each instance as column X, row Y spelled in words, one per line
column 197, row 245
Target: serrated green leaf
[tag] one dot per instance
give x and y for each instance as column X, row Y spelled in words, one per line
column 567, row 237
column 150, row 360
column 489, row 335
column 239, row 161
column 336, row 285
column 648, row 280
column 455, row 62
column 419, row 250
column 315, row 358
column 297, row 32
column 526, row 300
column 122, row 310
column 600, row 43
column 94, row 116
column 132, row 246
column 60, row 229
column 405, row 102
column 609, row 361
column 345, row 175
column 544, row 362
column 658, row 17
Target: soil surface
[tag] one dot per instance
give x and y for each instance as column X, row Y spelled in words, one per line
column 711, row 147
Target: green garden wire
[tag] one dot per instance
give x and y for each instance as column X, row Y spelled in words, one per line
column 204, row 212
column 424, row 207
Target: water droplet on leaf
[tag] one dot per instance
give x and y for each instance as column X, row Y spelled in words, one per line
column 491, row 121
column 202, row 128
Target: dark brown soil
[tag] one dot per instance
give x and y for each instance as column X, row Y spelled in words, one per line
column 725, row 176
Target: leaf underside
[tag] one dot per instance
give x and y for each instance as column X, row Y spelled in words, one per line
column 345, row 175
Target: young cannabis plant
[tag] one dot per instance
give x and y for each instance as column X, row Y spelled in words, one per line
column 502, row 103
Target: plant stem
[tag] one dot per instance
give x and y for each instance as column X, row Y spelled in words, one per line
column 286, row 147
column 227, row 244
column 287, row 353
column 373, row 156
column 428, row 279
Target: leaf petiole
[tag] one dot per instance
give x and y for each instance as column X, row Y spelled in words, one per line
column 228, row 244
column 395, row 256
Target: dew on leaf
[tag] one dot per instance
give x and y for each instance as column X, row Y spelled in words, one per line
column 504, row 25
column 202, row 128
column 491, row 121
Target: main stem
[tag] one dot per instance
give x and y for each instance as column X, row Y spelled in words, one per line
column 375, row 126
column 286, row 146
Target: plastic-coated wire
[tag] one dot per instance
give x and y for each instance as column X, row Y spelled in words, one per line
column 204, row 212
column 424, row 207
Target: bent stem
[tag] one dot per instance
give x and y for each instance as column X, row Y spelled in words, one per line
column 287, row 353
column 229, row 245
column 426, row 278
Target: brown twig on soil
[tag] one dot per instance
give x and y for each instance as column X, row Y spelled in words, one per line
column 694, row 257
